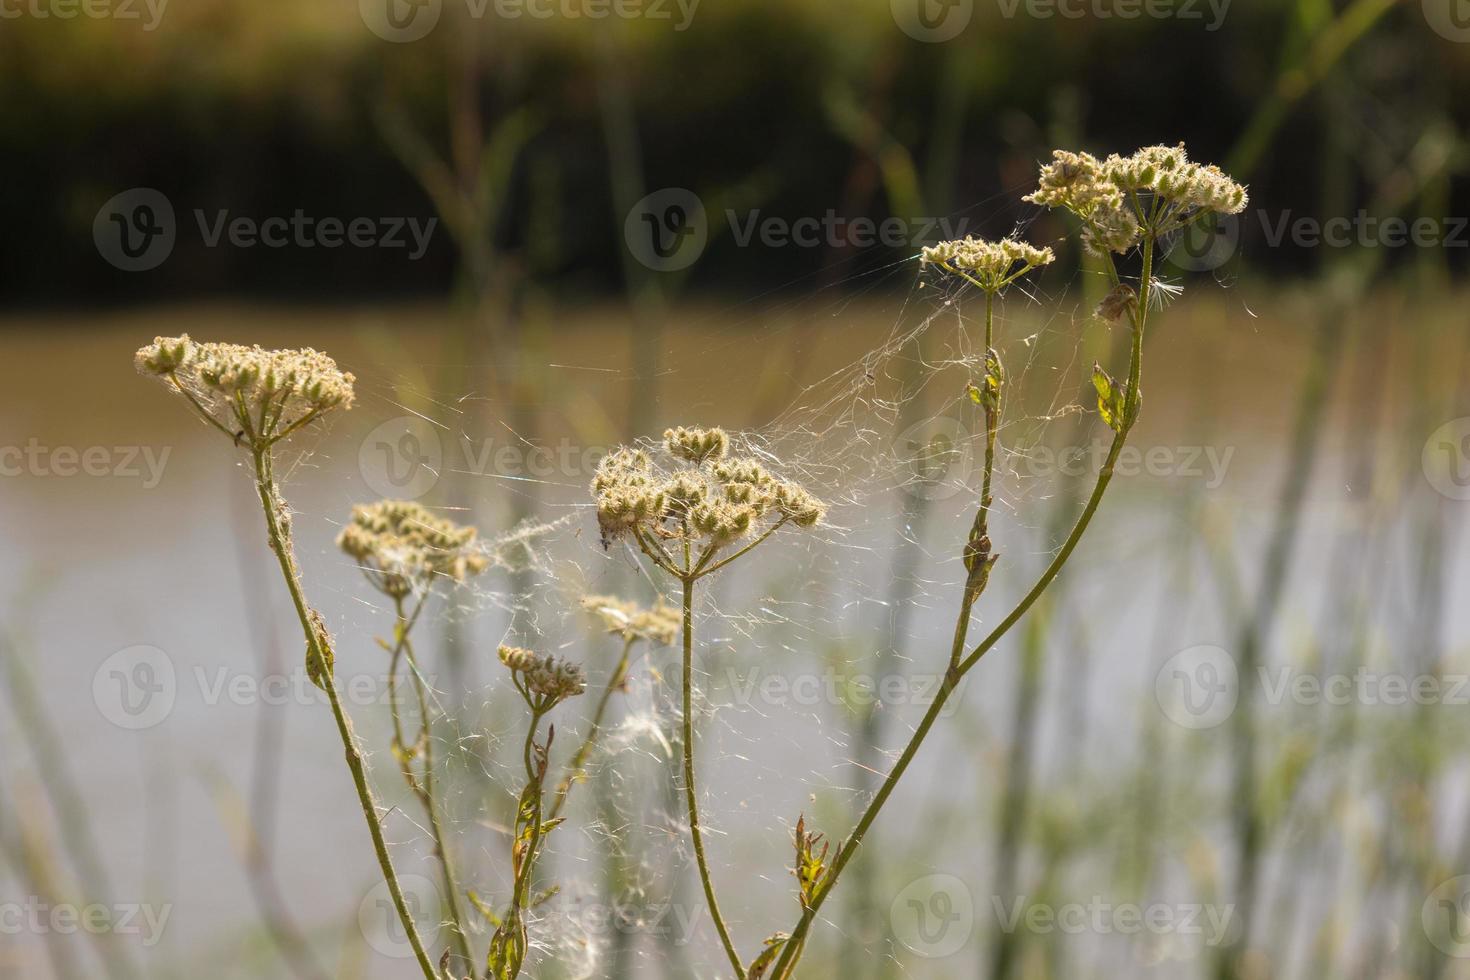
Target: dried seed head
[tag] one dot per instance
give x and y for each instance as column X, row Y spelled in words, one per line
column 1117, row 302
column 1106, row 195
column 1190, row 189
column 741, row 470
column 631, row 621
column 698, row 446
column 795, row 503
column 684, row 491
column 262, row 394
column 545, row 679
column 718, row 501
column 1111, row 229
column 405, row 548
column 993, row 265
column 721, row 522
column 1075, row 181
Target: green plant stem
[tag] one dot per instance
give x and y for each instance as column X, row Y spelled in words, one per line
column 786, row 965
column 427, row 784
column 280, row 543
column 512, row 929
column 579, row 758
column 690, row 789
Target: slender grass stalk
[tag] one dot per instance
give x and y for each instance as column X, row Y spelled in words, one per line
column 20, row 850
column 72, row 818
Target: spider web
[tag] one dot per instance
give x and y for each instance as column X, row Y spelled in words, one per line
column 794, row 643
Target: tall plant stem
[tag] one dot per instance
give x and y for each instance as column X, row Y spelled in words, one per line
column 691, row 793
column 319, row 655
column 959, row 667
column 426, row 789
column 512, row 931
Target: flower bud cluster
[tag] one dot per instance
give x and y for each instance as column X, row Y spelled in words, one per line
column 544, row 679
column 718, row 500
column 404, row 547
column 1106, row 194
column 993, row 265
column 264, row 394
column 631, row 621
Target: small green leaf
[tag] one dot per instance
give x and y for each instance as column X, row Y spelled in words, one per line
column 771, row 948
column 483, row 909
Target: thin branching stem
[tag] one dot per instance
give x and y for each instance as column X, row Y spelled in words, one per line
column 320, row 657
column 426, row 784
column 579, row 758
column 786, row 964
column 691, row 793
column 700, row 571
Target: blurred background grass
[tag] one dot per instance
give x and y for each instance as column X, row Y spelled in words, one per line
column 1330, row 544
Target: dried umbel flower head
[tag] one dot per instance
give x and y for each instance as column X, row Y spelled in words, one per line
column 696, row 445
column 256, row 396
column 1177, row 186
column 631, row 621
column 990, row 265
column 542, row 679
column 1153, row 191
column 712, row 504
column 404, row 548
